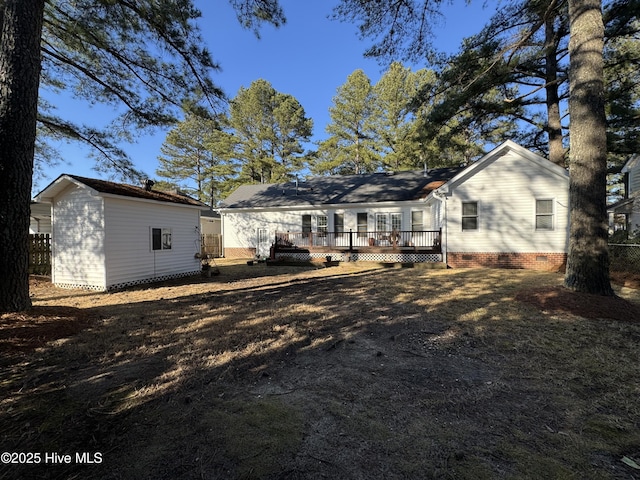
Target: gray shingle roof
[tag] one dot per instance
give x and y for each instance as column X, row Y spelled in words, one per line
column 342, row 189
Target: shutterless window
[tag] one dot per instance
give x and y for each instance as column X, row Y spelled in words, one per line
column 362, row 224
column 469, row 215
column 306, row 225
column 396, row 221
column 160, row 239
column 544, row 214
column 323, row 222
column 417, row 224
column 381, row 222
column 338, row 223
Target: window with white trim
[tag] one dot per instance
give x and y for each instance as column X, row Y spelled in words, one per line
column 160, row 239
column 306, row 226
column 396, row 222
column 322, row 223
column 338, row 223
column 362, row 224
column 381, row 222
column 544, row 214
column 417, row 223
column 469, row 215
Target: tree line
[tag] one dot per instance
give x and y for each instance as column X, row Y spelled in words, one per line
column 510, row 80
column 261, row 137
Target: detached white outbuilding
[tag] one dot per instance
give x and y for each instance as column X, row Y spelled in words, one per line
column 108, row 235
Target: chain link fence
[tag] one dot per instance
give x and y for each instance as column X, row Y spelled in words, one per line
column 625, row 257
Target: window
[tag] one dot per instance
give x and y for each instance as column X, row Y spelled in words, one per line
column 417, row 224
column 381, row 222
column 469, row 215
column 338, row 223
column 544, row 214
column 306, row 225
column 160, row 239
column 362, row 224
column 322, row 222
column 396, row 222
column 263, row 236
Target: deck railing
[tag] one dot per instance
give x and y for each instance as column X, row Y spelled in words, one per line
column 392, row 240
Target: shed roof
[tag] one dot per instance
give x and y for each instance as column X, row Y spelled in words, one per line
column 342, row 189
column 633, row 162
column 112, row 188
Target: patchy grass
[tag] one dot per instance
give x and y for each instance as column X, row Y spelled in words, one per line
column 356, row 371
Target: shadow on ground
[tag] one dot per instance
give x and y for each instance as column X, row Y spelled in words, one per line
column 336, row 373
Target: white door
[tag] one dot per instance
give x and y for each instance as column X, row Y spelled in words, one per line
column 264, row 243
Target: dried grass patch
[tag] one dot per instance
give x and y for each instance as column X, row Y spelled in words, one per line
column 345, row 372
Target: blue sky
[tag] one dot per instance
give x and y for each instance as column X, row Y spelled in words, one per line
column 309, row 58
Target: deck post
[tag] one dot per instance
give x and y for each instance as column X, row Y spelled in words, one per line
column 350, row 240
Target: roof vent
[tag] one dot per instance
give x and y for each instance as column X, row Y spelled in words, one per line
column 148, row 184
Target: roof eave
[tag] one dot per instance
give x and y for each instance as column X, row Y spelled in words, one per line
column 59, row 185
column 317, row 206
column 150, row 200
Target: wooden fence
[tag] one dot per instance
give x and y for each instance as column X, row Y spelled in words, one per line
column 40, row 254
column 211, row 245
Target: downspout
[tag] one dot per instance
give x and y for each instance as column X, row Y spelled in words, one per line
column 445, row 232
column 442, row 197
column 222, row 216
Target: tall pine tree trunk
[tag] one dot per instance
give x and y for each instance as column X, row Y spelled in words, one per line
column 588, row 260
column 554, row 123
column 20, row 33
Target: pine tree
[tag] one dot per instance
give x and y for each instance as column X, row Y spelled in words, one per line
column 20, row 29
column 269, row 130
column 393, row 121
column 195, row 158
column 588, row 259
column 351, row 146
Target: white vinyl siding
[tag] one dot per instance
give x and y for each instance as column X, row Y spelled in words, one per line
column 78, row 253
column 129, row 255
column 506, row 190
column 634, row 180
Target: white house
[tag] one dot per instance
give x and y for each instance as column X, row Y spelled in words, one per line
column 210, row 222
column 40, row 218
column 108, row 235
column 629, row 206
column 508, row 209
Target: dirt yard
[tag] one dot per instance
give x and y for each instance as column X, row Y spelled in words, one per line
column 348, row 372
